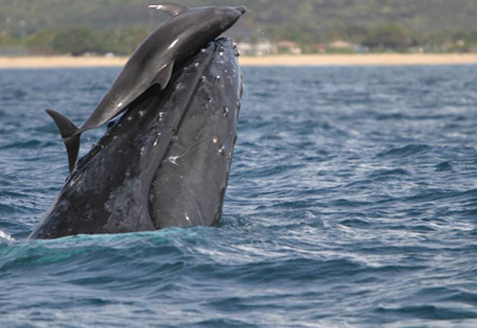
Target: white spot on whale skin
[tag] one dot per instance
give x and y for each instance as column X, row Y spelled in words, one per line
column 161, row 116
column 119, row 105
column 173, row 160
column 159, row 135
column 215, row 140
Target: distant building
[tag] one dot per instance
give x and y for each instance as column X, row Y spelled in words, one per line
column 289, row 47
column 41, row 51
column 261, row 48
column 13, row 51
column 341, row 45
column 361, row 49
column 415, row 50
column 264, row 47
column 246, row 48
column 320, row 48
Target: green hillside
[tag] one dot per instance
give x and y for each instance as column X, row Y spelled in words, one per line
column 303, row 21
column 426, row 15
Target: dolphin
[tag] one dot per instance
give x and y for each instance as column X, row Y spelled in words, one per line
column 169, row 45
column 165, row 162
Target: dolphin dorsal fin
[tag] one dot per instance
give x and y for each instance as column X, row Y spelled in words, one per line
column 170, row 8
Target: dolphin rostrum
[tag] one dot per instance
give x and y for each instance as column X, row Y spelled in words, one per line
column 168, row 46
column 165, row 162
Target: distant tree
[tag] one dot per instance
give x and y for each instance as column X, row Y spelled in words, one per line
column 419, row 38
column 291, row 33
column 122, row 41
column 43, row 38
column 473, row 37
column 7, row 40
column 305, row 38
column 392, row 36
column 351, row 33
column 77, row 41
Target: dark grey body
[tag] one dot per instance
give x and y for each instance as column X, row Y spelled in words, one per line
column 164, row 163
column 169, row 45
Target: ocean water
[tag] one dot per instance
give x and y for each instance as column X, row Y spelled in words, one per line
column 352, row 202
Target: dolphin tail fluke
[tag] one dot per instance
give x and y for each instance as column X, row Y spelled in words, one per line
column 69, row 134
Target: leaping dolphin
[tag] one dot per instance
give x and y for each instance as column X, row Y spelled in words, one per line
column 169, row 45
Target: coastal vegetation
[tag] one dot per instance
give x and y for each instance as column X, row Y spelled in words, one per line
column 117, row 26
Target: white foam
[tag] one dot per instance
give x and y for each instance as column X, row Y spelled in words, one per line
column 6, row 236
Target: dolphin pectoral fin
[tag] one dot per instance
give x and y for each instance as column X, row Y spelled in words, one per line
column 68, row 133
column 170, row 8
column 164, row 75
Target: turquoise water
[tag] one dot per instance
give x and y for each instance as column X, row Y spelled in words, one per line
column 352, row 202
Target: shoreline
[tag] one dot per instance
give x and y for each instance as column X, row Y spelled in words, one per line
column 275, row 60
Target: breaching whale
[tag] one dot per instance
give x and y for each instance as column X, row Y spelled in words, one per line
column 168, row 46
column 165, row 162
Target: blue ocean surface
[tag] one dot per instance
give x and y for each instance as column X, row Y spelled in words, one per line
column 352, row 202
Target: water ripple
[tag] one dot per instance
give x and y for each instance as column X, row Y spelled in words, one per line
column 352, row 202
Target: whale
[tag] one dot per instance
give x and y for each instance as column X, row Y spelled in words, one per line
column 153, row 62
column 165, row 162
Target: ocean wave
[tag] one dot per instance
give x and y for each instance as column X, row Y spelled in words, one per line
column 352, row 202
column 406, row 151
column 5, row 237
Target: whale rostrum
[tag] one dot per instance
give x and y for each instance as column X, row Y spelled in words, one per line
column 165, row 162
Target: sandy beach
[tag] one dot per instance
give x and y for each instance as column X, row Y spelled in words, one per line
column 279, row 60
column 361, row 60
